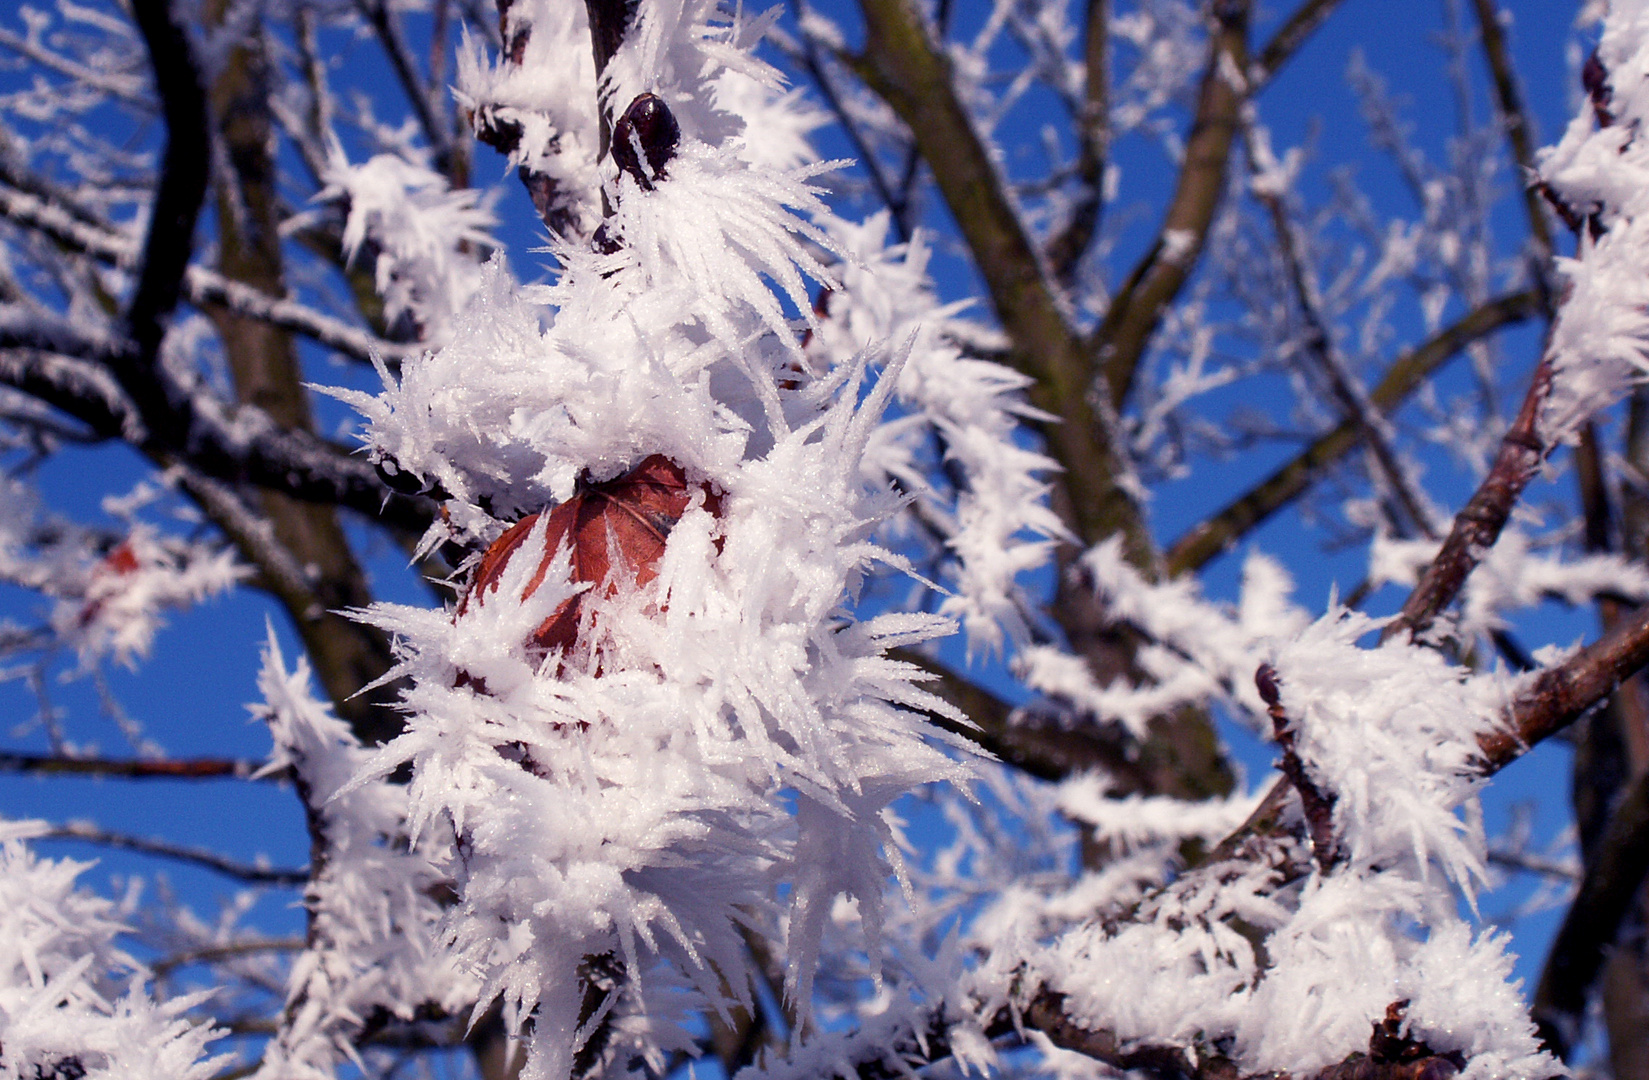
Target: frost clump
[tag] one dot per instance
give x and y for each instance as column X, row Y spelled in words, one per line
column 714, row 751
column 72, row 1002
column 1600, row 169
column 1390, row 732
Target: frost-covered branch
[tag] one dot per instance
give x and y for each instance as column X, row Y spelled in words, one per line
column 201, row 285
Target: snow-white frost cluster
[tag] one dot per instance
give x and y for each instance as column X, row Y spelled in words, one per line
column 72, row 1002
column 1392, row 733
column 959, row 416
column 422, row 236
column 1600, row 170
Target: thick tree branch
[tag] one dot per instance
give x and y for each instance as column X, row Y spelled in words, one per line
column 1407, row 374
column 1607, row 895
column 811, row 58
column 178, row 199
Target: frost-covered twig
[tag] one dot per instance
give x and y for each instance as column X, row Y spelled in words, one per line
column 1318, row 804
column 425, row 101
column 1373, row 427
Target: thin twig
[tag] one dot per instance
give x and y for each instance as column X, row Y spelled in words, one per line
column 211, row 860
column 1515, row 117
column 1131, row 321
column 130, row 769
column 1065, row 250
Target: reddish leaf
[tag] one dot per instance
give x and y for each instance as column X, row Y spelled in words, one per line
column 631, row 515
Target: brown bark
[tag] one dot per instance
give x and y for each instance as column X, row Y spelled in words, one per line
column 264, row 363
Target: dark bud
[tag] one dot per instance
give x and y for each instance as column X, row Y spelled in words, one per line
column 398, row 479
column 1265, row 680
column 604, row 241
column 645, row 139
column 1595, row 78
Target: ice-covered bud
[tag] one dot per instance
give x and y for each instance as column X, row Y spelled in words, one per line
column 645, row 139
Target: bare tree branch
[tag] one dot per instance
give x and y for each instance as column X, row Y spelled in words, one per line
column 1478, row 525
column 1065, row 250
column 1288, row 39
column 131, row 769
column 1515, row 117
column 1130, row 322
column 211, row 860
column 177, row 200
